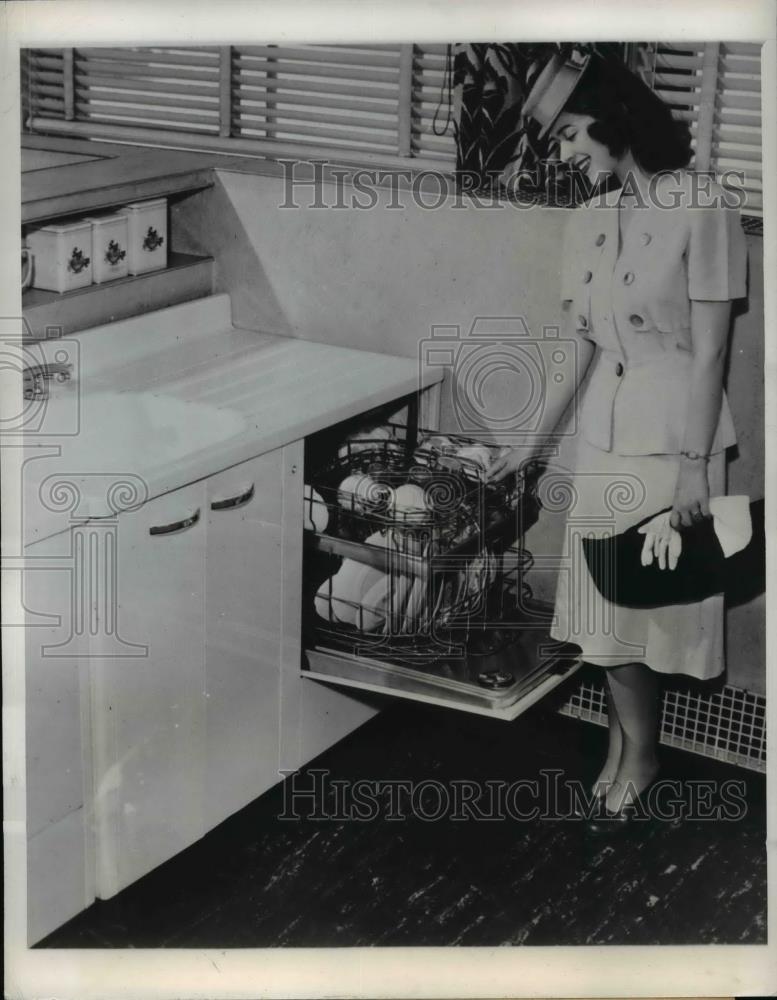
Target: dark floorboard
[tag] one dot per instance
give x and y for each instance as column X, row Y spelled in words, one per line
column 260, row 881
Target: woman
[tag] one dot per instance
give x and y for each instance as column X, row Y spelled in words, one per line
column 650, row 267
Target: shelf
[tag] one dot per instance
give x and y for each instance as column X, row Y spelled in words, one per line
column 112, row 175
column 186, row 277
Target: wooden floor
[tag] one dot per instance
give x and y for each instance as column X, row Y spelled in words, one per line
column 260, row 881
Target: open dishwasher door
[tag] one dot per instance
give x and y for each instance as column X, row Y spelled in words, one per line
column 414, row 577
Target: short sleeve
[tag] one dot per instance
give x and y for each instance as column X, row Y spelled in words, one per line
column 717, row 255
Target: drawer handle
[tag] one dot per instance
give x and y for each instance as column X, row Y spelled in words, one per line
column 77, row 261
column 169, row 529
column 232, row 502
column 152, row 239
column 115, row 253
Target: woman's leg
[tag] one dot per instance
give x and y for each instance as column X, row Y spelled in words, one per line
column 609, row 771
column 634, row 690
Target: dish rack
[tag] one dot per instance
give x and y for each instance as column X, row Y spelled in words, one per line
column 413, row 560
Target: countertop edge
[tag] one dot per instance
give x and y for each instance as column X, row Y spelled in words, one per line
column 245, row 448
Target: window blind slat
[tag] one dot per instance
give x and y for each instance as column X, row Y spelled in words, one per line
column 196, row 119
column 724, row 117
column 146, row 86
column 292, row 130
column 311, row 116
column 333, row 56
column 88, row 95
column 261, row 95
column 132, row 71
column 50, row 77
column 194, row 57
column 248, row 79
column 282, row 67
column 683, row 81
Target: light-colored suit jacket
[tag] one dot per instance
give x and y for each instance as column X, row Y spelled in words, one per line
column 630, row 293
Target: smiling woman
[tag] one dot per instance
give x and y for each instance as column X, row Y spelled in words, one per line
column 648, row 276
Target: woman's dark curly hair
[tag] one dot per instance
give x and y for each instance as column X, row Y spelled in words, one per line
column 629, row 116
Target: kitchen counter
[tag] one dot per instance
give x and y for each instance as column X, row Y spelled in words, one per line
column 168, row 398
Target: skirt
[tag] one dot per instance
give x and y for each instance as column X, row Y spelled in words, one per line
column 609, row 493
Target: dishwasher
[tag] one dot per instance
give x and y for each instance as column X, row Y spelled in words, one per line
column 414, row 573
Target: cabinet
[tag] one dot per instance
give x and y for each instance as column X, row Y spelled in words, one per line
column 243, row 632
column 148, row 710
column 60, row 876
column 188, row 733
column 158, row 643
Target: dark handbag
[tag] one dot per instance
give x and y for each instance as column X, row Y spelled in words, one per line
column 702, row 569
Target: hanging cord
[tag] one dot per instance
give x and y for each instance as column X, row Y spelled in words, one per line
column 653, row 68
column 447, row 86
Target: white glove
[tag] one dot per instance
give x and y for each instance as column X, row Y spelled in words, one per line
column 662, row 541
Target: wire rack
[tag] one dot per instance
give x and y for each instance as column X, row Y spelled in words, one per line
column 408, row 545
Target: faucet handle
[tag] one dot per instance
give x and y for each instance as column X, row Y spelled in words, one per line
column 35, row 378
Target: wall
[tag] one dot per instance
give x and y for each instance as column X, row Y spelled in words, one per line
column 382, row 279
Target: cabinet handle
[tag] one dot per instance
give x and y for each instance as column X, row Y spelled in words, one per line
column 169, row 529
column 232, row 502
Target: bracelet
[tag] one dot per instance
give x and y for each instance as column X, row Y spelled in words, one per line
column 695, row 456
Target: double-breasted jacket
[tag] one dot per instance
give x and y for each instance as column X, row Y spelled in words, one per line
column 630, row 293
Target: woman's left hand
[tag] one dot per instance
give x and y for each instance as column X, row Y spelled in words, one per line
column 691, row 495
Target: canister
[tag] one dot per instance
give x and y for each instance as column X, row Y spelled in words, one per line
column 109, row 246
column 62, row 255
column 147, row 235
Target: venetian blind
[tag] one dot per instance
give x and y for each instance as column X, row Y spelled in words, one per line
column 716, row 88
column 364, row 101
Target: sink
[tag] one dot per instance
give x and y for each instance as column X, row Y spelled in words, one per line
column 146, row 439
column 134, row 431
column 42, row 159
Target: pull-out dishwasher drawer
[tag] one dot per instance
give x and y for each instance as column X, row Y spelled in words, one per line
column 415, row 576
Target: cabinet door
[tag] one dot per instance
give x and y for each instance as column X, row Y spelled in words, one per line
column 149, row 692
column 243, row 633
column 59, row 864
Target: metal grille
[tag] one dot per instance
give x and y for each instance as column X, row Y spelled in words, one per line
column 729, row 725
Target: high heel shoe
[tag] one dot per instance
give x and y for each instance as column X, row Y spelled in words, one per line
column 594, row 802
column 631, row 814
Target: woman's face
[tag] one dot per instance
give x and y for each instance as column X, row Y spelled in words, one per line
column 578, row 149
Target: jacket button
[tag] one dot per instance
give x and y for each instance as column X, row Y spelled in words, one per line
column 619, row 369
column 587, row 277
column 600, row 239
column 636, row 320
column 628, row 277
column 582, row 322
column 645, row 238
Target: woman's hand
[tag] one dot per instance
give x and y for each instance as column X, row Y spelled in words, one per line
column 692, row 493
column 509, row 461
